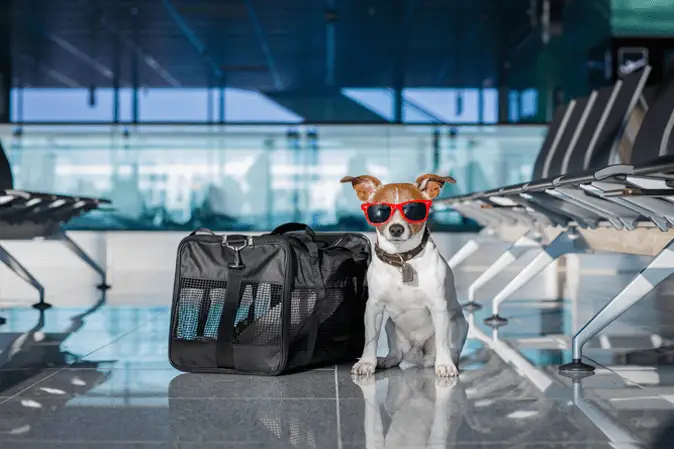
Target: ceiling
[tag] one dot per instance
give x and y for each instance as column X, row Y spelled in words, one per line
column 270, row 45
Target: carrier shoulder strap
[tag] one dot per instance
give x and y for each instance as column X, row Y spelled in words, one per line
column 224, row 346
column 321, row 297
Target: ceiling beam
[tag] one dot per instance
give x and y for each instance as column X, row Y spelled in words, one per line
column 70, row 48
column 191, row 36
column 52, row 73
column 81, row 55
column 264, row 45
column 131, row 45
column 400, row 60
column 330, row 51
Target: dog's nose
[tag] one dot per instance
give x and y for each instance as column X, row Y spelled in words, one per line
column 396, row 230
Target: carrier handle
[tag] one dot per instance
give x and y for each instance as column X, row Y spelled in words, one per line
column 202, row 231
column 294, row 227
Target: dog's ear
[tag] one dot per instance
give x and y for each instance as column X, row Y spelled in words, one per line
column 430, row 184
column 364, row 185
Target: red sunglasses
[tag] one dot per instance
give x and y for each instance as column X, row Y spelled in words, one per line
column 415, row 211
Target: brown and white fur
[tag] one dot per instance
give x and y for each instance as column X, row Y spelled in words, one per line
column 426, row 325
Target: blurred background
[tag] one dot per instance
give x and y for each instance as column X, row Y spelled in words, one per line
column 242, row 114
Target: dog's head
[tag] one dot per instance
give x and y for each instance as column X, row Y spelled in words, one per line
column 413, row 199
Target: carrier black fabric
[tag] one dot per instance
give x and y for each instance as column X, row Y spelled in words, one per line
column 268, row 304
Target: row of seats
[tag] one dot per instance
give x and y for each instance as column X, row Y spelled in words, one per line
column 30, row 215
column 601, row 182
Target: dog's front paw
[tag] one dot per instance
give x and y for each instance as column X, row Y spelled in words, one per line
column 363, row 368
column 444, row 385
column 364, row 382
column 446, row 370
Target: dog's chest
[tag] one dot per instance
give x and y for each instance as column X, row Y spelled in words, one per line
column 386, row 282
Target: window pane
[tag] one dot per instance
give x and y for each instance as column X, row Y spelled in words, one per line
column 377, row 100
column 62, row 105
column 490, row 105
column 442, row 105
column 529, row 101
column 173, row 105
column 251, row 106
column 125, row 104
column 514, row 106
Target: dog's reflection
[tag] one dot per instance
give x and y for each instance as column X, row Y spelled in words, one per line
column 424, row 411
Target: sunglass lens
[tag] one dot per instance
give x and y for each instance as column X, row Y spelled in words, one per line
column 378, row 213
column 415, row 211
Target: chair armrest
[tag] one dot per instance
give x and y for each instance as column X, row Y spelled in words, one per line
column 614, row 170
column 19, row 194
column 25, row 194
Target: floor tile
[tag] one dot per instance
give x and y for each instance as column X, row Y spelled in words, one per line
column 13, row 381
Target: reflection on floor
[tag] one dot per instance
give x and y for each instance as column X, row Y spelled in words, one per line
column 97, row 376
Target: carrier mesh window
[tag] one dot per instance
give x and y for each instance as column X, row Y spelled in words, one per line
column 258, row 319
column 335, row 329
column 302, row 306
column 200, row 305
column 336, row 323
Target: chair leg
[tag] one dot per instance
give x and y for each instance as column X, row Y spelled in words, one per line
column 566, row 243
column 514, row 252
column 619, row 435
column 23, row 273
column 79, row 252
column 660, row 268
column 464, row 253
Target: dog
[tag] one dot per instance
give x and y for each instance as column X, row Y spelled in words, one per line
column 424, row 411
column 410, row 279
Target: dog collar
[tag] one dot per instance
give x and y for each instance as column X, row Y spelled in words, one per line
column 399, row 260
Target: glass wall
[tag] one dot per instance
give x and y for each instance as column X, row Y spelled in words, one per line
column 232, row 105
column 168, row 105
column 253, row 177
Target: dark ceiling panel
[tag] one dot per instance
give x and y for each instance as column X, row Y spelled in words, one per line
column 442, row 43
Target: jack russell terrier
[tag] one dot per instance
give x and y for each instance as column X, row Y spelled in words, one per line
column 410, row 279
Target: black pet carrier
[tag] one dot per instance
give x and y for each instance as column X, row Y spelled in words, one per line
column 268, row 304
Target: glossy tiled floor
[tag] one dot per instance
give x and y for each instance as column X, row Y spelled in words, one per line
column 97, row 376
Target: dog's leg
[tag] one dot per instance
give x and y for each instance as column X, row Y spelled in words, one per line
column 374, row 429
column 429, row 353
column 397, row 346
column 458, row 325
column 458, row 332
column 444, row 363
column 374, row 315
column 446, row 416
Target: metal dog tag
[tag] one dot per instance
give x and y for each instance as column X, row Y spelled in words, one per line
column 407, row 272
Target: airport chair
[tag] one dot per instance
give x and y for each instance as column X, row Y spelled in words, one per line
column 30, row 215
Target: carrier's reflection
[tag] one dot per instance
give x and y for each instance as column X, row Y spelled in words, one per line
column 424, row 411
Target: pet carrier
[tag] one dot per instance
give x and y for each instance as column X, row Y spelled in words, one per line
column 268, row 304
